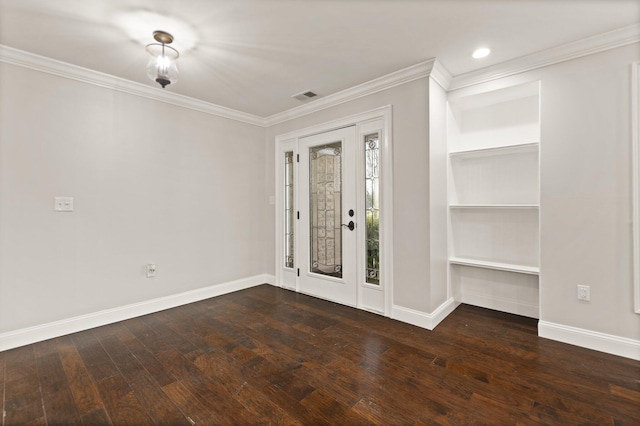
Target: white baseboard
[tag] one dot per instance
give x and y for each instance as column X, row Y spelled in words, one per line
column 25, row 336
column 621, row 346
column 517, row 307
column 423, row 319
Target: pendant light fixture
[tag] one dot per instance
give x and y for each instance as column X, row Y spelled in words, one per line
column 162, row 66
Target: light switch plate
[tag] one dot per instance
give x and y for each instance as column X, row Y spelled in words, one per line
column 63, row 204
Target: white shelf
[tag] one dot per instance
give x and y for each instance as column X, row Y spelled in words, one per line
column 499, row 150
column 494, row 206
column 522, row 269
column 500, row 176
column 493, row 193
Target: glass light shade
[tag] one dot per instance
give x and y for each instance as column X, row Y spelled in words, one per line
column 162, row 66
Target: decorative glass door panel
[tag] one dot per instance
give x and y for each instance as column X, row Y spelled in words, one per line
column 288, row 210
column 325, row 207
column 372, row 207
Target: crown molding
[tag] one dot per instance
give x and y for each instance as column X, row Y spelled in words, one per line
column 405, row 75
column 430, row 68
column 28, row 60
column 565, row 52
column 441, row 75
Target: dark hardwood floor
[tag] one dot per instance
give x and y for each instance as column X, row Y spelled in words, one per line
column 270, row 356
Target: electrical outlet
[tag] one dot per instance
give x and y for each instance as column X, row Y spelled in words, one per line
column 151, row 270
column 584, row 293
column 63, row 204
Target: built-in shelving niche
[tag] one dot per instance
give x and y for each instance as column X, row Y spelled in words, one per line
column 494, row 231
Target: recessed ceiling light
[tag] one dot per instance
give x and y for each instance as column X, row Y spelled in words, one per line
column 481, row 52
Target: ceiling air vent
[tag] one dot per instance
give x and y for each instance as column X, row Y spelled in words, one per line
column 303, row 96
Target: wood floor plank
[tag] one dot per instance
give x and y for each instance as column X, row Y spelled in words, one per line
column 128, row 365
column 157, row 403
column 632, row 395
column 122, row 407
column 270, row 356
column 191, row 407
column 149, row 362
column 325, row 379
column 48, row 346
column 210, row 392
column 23, row 400
column 293, row 407
column 84, row 390
column 96, row 418
column 59, row 404
column 244, row 388
column 147, row 336
column 147, row 391
column 167, row 334
column 96, row 360
column 2, row 386
column 331, row 409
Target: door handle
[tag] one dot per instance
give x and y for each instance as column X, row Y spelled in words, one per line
column 350, row 225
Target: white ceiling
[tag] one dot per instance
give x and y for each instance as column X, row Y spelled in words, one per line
column 252, row 55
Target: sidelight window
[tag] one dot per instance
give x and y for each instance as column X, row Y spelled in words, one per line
column 288, row 210
column 372, row 207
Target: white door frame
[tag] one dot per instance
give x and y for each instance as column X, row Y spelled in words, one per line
column 288, row 142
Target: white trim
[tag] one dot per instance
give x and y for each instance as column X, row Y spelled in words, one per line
column 587, row 46
column 509, row 267
column 423, row 319
column 432, row 67
column 336, row 124
column 635, row 158
column 386, row 201
column 284, row 277
column 25, row 336
column 62, row 69
column 370, row 296
column 440, row 75
column 406, row 75
column 594, row 44
column 35, row 62
column 615, row 345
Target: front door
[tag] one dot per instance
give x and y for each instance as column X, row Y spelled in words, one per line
column 328, row 217
column 334, row 211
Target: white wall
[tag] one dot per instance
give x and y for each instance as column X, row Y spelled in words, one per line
column 585, row 192
column 438, row 201
column 152, row 182
column 410, row 103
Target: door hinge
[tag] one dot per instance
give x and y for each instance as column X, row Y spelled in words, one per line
column 298, row 214
column 297, row 158
column 298, row 271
